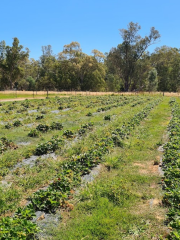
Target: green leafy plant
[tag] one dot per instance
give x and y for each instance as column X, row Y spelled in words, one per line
column 33, row 133
column 42, row 127
column 48, row 147
column 89, row 114
column 17, row 123
column 68, row 134
column 39, row 117
column 47, row 200
column 56, row 126
column 107, row 117
column 8, row 126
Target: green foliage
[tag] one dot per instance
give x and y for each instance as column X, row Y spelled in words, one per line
column 56, row 126
column 107, row 117
column 39, row 117
column 17, row 123
column 47, row 200
column 69, row 172
column 123, row 59
column 13, row 63
column 8, row 126
column 25, row 213
column 42, row 127
column 89, row 114
column 68, row 134
column 17, row 229
column 84, row 127
column 33, row 133
column 172, row 172
column 152, row 80
column 49, row 146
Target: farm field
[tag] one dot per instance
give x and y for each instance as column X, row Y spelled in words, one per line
column 89, row 167
column 22, row 95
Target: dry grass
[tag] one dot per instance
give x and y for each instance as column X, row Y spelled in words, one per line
column 168, row 94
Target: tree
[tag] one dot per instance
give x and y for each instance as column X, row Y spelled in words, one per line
column 152, row 80
column 13, row 64
column 2, row 49
column 99, row 56
column 77, row 70
column 47, row 70
column 126, row 55
column 167, row 62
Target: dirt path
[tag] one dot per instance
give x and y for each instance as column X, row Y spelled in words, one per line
column 19, row 99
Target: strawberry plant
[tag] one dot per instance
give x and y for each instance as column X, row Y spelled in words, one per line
column 68, row 134
column 42, row 127
column 17, row 228
column 33, row 133
column 56, row 126
column 39, row 117
column 107, row 117
column 47, row 200
column 17, row 123
column 48, row 147
column 8, row 126
column 171, row 165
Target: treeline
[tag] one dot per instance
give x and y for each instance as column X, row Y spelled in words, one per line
column 127, row 67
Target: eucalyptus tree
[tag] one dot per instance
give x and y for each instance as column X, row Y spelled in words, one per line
column 79, row 71
column 126, row 55
column 13, row 62
column 167, row 62
column 152, row 80
column 46, row 70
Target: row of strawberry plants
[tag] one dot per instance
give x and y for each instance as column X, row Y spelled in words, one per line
column 171, row 165
column 68, row 177
column 45, row 128
column 120, row 104
column 82, row 164
column 53, row 144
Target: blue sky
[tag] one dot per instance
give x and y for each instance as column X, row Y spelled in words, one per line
column 94, row 24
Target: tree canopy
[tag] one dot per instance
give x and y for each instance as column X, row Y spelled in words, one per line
column 126, row 67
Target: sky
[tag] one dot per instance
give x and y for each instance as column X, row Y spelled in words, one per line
column 94, row 24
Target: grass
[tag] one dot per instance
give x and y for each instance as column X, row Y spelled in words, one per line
column 123, row 203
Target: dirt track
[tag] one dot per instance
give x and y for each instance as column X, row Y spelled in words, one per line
column 19, row 99
column 85, row 93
